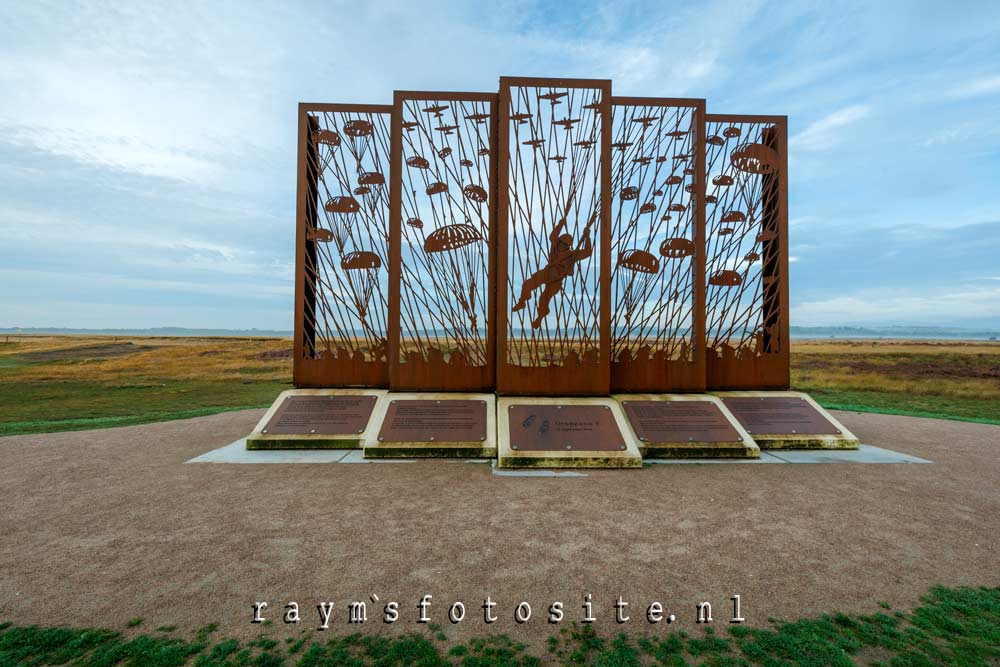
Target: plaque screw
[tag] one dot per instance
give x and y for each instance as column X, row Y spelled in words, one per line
column 312, row 430
column 839, row 433
column 622, row 447
column 794, row 431
column 432, row 438
column 264, row 431
column 361, row 430
column 642, row 438
column 569, row 447
column 437, row 402
column 513, row 446
column 380, row 439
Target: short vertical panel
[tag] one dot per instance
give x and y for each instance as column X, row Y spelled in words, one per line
column 747, row 252
column 657, row 238
column 342, row 246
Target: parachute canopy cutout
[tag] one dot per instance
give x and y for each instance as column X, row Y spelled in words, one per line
column 755, row 159
column 416, row 223
column 358, row 128
column 731, row 132
column 437, row 188
column 362, row 190
column 451, row 237
column 319, row 235
column 725, row 279
column 444, row 152
column 371, row 178
column 723, row 180
column 715, row 140
column 639, row 261
column 342, row 204
column 359, row 260
column 734, row 216
column 676, row 248
column 648, row 207
column 327, row 137
column 475, row 193
column 630, row 192
column 417, row 162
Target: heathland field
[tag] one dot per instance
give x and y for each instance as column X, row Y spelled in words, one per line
column 57, row 383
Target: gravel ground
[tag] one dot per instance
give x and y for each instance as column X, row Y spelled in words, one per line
column 98, row 527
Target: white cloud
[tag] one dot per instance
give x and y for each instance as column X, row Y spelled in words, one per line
column 825, row 132
column 882, row 306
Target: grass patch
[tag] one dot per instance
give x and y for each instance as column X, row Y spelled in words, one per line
column 65, row 383
column 952, row 626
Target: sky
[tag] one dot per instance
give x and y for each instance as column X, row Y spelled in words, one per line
column 147, row 150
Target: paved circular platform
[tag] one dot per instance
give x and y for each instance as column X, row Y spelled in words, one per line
column 102, row 526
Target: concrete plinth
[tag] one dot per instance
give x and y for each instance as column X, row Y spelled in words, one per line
column 430, row 437
column 711, row 433
column 313, row 429
column 787, row 420
column 608, row 451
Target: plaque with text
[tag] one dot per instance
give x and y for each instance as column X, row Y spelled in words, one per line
column 564, row 427
column 326, row 415
column 434, row 421
column 779, row 415
column 679, row 421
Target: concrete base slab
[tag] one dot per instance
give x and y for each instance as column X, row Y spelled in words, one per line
column 508, row 456
column 377, row 445
column 789, row 428
column 722, row 434
column 260, row 438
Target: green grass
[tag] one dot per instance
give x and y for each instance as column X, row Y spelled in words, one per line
column 76, row 405
column 983, row 411
column 952, row 626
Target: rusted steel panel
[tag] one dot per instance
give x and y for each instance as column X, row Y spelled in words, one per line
column 342, row 246
column 553, row 258
column 442, row 284
column 657, row 244
column 746, row 252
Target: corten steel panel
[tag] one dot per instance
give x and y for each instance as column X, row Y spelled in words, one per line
column 553, row 233
column 746, row 252
column 657, row 244
column 341, row 276
column 779, row 415
column 578, row 428
column 326, row 415
column 441, row 241
column 434, row 421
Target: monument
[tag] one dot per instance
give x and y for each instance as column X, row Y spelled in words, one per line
column 545, row 275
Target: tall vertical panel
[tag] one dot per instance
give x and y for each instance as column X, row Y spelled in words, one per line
column 554, row 183
column 342, row 246
column 657, row 237
column 747, row 252
column 442, row 295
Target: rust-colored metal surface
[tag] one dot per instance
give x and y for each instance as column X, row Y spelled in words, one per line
column 679, row 421
column 577, row 428
column 324, row 415
column 553, row 254
column 779, row 415
column 342, row 246
column 657, row 241
column 746, row 252
column 441, row 291
column 434, row 421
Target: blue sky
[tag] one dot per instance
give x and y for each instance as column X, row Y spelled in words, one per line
column 147, row 151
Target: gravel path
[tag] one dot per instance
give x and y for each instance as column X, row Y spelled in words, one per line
column 99, row 527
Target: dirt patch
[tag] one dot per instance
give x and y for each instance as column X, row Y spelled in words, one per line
column 270, row 355
column 84, row 352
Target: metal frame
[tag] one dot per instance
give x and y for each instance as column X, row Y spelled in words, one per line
column 747, row 330
column 316, row 362
column 660, row 174
column 574, row 374
column 447, row 285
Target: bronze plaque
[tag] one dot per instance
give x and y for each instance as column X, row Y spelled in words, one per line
column 578, row 428
column 325, row 415
column 774, row 415
column 679, row 421
column 434, row 421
